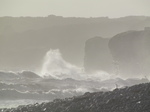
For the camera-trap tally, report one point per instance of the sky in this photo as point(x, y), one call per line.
point(75, 8)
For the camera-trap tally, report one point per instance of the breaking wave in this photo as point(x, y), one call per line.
point(54, 66)
point(57, 67)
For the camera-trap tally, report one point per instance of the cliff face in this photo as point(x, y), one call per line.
point(126, 54)
point(97, 55)
point(131, 52)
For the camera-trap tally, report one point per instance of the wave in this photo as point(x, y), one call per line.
point(7, 75)
point(12, 94)
point(15, 75)
point(49, 89)
point(55, 67)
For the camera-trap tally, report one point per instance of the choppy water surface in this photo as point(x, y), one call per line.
point(16, 103)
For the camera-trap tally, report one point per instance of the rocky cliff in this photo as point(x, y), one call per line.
point(97, 55)
point(126, 54)
point(131, 52)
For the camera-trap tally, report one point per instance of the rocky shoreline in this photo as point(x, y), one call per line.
point(128, 99)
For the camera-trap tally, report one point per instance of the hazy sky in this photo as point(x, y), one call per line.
point(78, 8)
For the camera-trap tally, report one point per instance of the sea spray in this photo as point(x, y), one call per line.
point(54, 66)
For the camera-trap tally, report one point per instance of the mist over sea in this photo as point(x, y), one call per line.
point(57, 78)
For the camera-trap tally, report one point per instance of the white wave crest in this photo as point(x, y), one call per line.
point(54, 66)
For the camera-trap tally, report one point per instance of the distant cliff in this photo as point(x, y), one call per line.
point(97, 55)
point(126, 54)
point(131, 52)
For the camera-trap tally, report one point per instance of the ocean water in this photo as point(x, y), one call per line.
point(16, 103)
